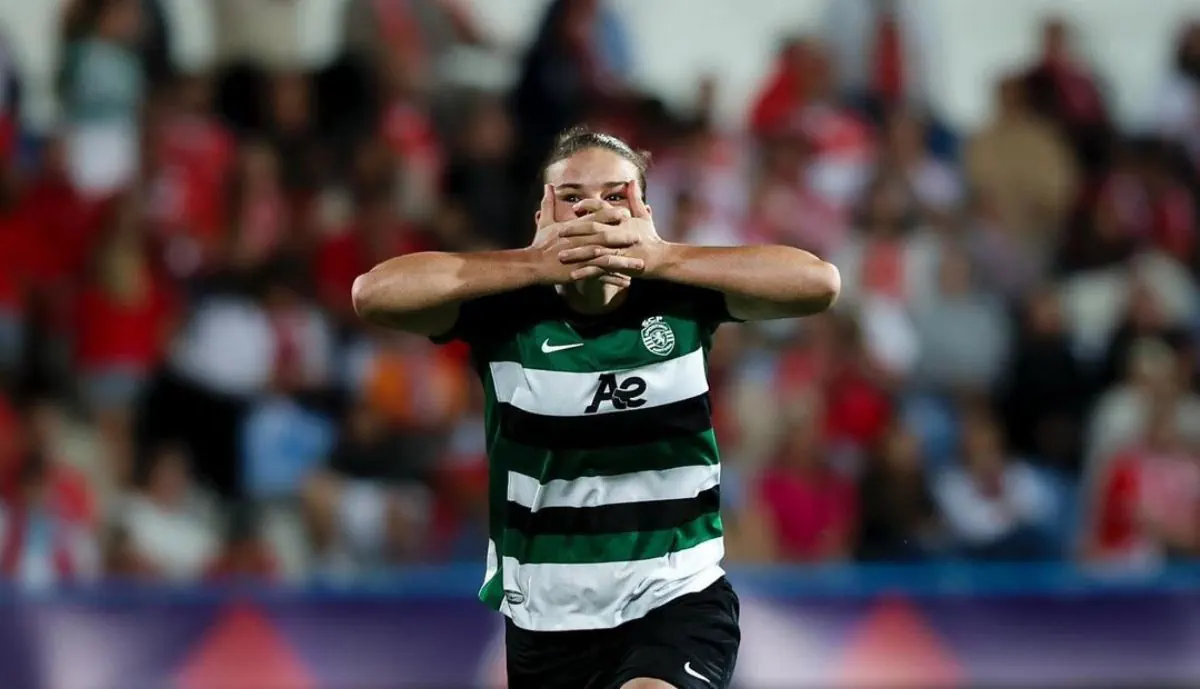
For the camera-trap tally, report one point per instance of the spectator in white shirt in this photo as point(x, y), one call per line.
point(996, 508)
point(166, 522)
point(1176, 114)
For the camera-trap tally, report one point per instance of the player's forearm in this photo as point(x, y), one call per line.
point(420, 291)
point(759, 281)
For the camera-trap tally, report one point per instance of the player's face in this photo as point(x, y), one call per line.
point(589, 181)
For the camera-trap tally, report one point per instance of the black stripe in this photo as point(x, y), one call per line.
point(659, 515)
point(634, 427)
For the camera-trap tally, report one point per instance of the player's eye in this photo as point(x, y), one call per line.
point(615, 198)
point(572, 198)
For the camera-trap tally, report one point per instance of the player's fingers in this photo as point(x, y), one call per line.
point(618, 264)
point(619, 237)
point(612, 216)
point(587, 272)
point(637, 205)
point(585, 224)
point(584, 253)
point(616, 279)
point(581, 234)
point(579, 227)
point(582, 226)
point(546, 211)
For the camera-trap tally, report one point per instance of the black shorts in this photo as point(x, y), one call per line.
point(691, 642)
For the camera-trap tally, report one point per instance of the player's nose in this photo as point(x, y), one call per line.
point(587, 206)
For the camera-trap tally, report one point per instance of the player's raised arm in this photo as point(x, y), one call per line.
point(759, 282)
point(421, 293)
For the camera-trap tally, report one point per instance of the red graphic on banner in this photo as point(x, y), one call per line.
point(894, 647)
point(243, 651)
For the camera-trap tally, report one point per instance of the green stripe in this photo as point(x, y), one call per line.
point(546, 465)
point(626, 547)
point(492, 592)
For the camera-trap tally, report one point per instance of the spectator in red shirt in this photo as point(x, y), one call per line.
point(66, 223)
point(1063, 89)
point(857, 407)
point(122, 318)
point(811, 509)
point(785, 91)
point(376, 235)
point(407, 129)
point(1146, 507)
point(258, 209)
point(191, 155)
point(843, 143)
point(1170, 213)
point(11, 447)
point(16, 253)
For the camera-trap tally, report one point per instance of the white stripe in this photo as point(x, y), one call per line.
point(556, 393)
point(593, 491)
point(565, 597)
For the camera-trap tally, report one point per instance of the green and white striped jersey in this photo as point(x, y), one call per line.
point(604, 472)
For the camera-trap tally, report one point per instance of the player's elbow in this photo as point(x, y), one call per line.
point(364, 295)
point(824, 286)
point(830, 283)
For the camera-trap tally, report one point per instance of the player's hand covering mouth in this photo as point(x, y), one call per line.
point(607, 247)
point(599, 234)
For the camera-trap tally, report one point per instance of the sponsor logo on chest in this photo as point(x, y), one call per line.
point(645, 370)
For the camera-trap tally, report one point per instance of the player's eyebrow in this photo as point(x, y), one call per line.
point(573, 186)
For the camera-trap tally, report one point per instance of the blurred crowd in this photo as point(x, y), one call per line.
point(186, 393)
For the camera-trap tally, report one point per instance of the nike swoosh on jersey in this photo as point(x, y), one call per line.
point(548, 348)
point(687, 667)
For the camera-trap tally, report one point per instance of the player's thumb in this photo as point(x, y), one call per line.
point(545, 216)
point(637, 204)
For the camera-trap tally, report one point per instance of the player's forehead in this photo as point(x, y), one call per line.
point(592, 168)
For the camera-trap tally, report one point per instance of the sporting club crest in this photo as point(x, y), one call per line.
point(658, 336)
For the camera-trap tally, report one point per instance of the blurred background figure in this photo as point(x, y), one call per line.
point(169, 529)
point(1005, 398)
point(102, 84)
point(996, 507)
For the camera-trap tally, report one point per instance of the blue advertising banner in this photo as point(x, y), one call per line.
point(905, 629)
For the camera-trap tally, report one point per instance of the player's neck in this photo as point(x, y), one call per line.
point(593, 296)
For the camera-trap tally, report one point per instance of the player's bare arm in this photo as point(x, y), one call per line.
point(759, 282)
point(421, 293)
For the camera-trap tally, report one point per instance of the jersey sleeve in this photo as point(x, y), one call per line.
point(478, 319)
point(705, 305)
